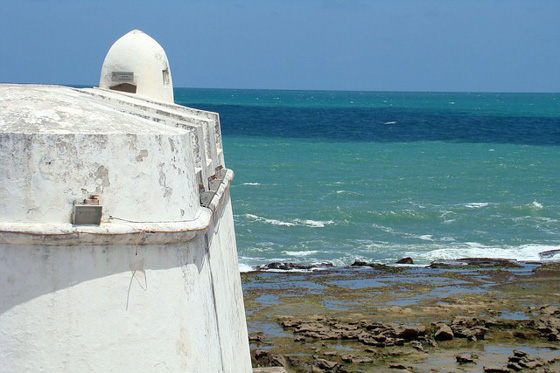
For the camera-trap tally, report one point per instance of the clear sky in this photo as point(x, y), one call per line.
point(372, 45)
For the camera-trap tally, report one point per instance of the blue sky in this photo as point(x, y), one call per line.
point(373, 45)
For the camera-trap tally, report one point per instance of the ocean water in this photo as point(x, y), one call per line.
point(342, 176)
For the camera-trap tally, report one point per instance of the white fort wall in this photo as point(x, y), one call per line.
point(104, 308)
point(155, 286)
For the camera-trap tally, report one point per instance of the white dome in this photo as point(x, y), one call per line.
point(136, 63)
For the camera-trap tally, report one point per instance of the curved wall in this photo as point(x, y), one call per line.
point(138, 177)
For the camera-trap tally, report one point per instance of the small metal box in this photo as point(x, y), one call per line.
point(87, 214)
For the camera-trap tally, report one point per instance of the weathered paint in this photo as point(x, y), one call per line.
point(155, 287)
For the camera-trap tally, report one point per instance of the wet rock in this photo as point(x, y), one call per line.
point(548, 269)
point(407, 260)
point(325, 364)
point(549, 254)
point(468, 327)
point(476, 263)
point(474, 334)
point(255, 337)
point(370, 341)
point(381, 267)
point(465, 321)
point(417, 345)
point(466, 358)
point(292, 266)
point(549, 327)
point(410, 332)
point(444, 333)
point(515, 367)
point(519, 353)
point(521, 334)
point(264, 357)
point(352, 359)
point(549, 310)
point(288, 322)
point(399, 368)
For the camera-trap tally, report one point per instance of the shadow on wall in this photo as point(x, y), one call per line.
point(28, 272)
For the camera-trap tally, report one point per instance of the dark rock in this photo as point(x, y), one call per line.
point(410, 332)
point(263, 357)
point(549, 254)
point(325, 364)
point(255, 337)
point(288, 322)
point(352, 359)
point(444, 333)
point(531, 363)
point(476, 263)
point(399, 368)
point(277, 360)
point(358, 263)
point(521, 334)
point(292, 266)
point(519, 353)
point(515, 367)
point(550, 310)
point(466, 358)
point(473, 334)
point(465, 321)
point(378, 266)
point(549, 269)
point(407, 260)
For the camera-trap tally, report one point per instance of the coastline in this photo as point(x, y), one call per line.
point(376, 318)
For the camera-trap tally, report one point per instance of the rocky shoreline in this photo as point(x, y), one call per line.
point(464, 316)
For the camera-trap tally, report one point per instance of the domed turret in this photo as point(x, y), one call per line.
point(136, 63)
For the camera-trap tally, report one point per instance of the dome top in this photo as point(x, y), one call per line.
point(136, 63)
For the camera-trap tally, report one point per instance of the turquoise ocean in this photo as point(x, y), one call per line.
point(329, 176)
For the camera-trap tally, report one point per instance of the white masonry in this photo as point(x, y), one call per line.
point(117, 244)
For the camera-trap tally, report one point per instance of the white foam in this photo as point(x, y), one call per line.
point(251, 184)
point(314, 223)
point(269, 221)
point(474, 250)
point(245, 268)
point(296, 222)
point(300, 253)
point(426, 237)
point(537, 205)
point(476, 205)
point(348, 192)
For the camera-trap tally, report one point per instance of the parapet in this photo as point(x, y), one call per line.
point(144, 161)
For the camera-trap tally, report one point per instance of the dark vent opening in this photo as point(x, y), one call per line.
point(124, 87)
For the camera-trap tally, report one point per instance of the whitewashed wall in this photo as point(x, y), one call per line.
point(170, 308)
point(160, 294)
